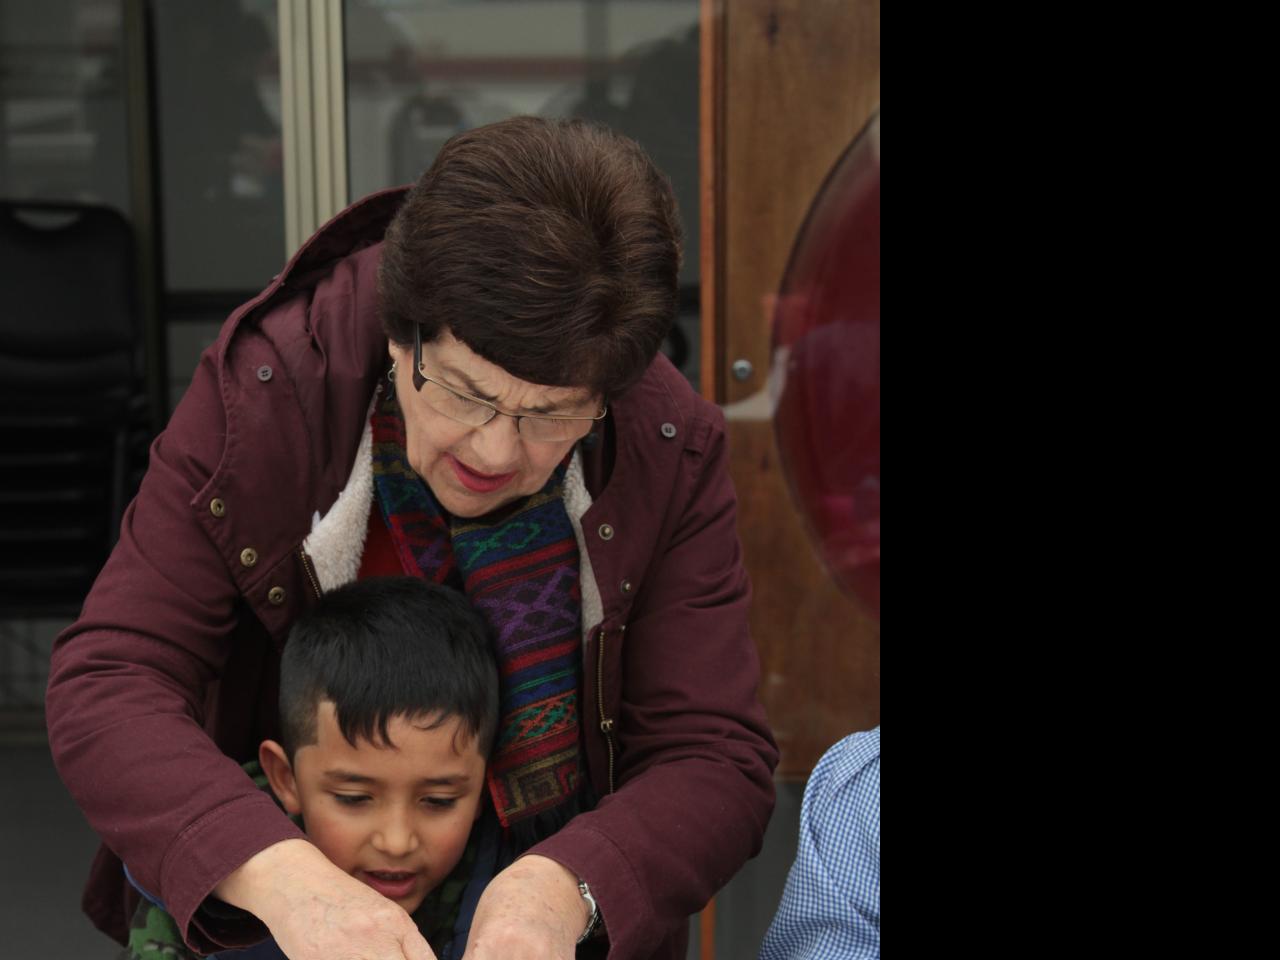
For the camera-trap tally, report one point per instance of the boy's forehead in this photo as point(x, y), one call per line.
point(431, 734)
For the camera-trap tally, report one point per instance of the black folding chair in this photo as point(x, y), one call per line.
point(72, 399)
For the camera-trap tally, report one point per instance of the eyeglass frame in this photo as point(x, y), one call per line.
point(419, 378)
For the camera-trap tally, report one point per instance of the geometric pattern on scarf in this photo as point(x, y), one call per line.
point(519, 567)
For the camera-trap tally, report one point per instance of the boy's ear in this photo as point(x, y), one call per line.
point(275, 764)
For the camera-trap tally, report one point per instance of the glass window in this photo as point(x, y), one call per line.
point(419, 71)
point(62, 92)
point(218, 97)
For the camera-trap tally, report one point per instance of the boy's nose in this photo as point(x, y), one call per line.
point(395, 836)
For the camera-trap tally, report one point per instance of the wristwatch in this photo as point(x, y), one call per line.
point(595, 911)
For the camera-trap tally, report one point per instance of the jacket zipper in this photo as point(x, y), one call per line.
point(606, 724)
point(311, 575)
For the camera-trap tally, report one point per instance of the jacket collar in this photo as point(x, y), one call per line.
point(359, 225)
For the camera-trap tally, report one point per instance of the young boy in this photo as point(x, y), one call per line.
point(388, 705)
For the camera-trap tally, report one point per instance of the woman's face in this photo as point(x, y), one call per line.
point(474, 470)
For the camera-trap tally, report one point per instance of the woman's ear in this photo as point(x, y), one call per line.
point(400, 354)
point(275, 764)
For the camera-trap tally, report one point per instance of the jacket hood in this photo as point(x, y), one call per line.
point(359, 225)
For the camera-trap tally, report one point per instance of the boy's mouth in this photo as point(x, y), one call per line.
point(392, 884)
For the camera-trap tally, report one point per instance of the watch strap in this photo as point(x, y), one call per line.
point(594, 919)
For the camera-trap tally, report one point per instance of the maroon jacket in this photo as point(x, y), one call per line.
point(169, 678)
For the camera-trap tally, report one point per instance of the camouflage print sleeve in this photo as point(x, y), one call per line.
point(154, 936)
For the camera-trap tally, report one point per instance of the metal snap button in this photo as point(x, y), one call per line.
point(606, 532)
point(626, 586)
point(668, 430)
point(276, 596)
point(248, 556)
point(264, 373)
point(217, 507)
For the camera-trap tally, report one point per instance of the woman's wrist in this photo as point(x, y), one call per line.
point(532, 908)
point(560, 886)
point(258, 883)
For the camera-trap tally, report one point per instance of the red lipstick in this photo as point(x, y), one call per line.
point(478, 482)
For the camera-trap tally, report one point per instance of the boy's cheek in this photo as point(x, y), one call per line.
point(329, 836)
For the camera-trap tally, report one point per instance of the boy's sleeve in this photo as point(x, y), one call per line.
point(153, 935)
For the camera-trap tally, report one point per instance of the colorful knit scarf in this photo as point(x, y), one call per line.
point(519, 567)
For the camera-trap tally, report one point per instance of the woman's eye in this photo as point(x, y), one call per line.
point(351, 799)
point(463, 404)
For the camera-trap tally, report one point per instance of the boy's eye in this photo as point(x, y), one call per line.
point(443, 803)
point(351, 799)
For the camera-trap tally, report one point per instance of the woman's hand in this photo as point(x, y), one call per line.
point(317, 912)
point(531, 911)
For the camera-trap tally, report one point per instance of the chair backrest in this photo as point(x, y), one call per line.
point(72, 400)
point(68, 297)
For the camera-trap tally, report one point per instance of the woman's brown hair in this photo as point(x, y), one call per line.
point(549, 247)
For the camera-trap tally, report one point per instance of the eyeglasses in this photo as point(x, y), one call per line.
point(475, 412)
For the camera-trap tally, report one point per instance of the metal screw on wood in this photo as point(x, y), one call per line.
point(742, 369)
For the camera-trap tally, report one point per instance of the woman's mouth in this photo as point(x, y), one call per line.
point(392, 884)
point(478, 482)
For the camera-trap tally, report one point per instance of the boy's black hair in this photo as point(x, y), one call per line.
point(388, 647)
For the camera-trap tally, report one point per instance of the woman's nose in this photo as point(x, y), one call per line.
point(497, 445)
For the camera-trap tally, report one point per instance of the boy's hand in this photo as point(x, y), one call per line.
point(531, 910)
point(317, 912)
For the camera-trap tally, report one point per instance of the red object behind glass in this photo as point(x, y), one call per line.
point(826, 369)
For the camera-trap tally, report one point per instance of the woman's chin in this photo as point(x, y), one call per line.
point(460, 502)
point(458, 498)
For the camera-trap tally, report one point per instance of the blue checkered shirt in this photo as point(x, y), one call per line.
point(830, 909)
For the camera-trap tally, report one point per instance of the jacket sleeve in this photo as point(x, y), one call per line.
point(696, 757)
point(130, 683)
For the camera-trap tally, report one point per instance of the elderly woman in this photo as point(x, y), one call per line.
point(462, 383)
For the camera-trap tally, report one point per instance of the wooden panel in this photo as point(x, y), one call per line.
point(710, 191)
point(820, 654)
point(801, 77)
